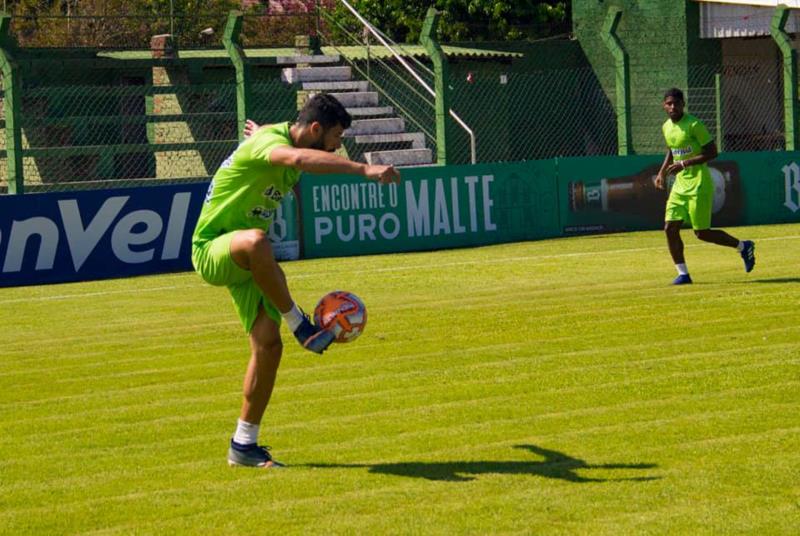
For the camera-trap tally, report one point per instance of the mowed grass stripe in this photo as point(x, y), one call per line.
point(281, 504)
point(426, 334)
point(460, 453)
point(458, 402)
point(570, 351)
point(473, 302)
point(349, 266)
point(177, 491)
point(501, 367)
point(411, 374)
point(596, 430)
point(163, 352)
point(778, 394)
point(141, 465)
point(138, 452)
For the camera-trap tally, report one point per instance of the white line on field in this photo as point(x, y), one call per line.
point(95, 294)
point(527, 258)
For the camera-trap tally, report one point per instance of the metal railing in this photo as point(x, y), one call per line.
point(392, 48)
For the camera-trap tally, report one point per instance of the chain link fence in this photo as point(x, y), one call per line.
point(144, 121)
point(751, 110)
point(134, 131)
point(533, 115)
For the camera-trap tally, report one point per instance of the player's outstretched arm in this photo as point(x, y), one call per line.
point(382, 174)
point(322, 162)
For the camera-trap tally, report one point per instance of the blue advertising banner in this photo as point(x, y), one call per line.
point(75, 236)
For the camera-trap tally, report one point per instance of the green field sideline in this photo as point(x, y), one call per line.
point(558, 386)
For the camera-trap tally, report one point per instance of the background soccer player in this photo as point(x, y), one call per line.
point(689, 147)
point(230, 246)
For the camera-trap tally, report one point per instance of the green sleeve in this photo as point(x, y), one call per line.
point(700, 132)
point(263, 146)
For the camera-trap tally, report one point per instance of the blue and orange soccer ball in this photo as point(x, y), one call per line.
point(343, 313)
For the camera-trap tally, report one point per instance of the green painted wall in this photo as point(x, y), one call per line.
point(661, 38)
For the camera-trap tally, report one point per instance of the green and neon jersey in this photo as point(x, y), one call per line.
point(247, 189)
point(686, 139)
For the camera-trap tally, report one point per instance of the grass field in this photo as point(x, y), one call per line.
point(544, 387)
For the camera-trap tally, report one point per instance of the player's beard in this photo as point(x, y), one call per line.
point(320, 144)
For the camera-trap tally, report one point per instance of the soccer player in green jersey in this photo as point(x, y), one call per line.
point(230, 246)
point(689, 147)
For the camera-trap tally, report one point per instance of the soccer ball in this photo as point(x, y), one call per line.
point(343, 313)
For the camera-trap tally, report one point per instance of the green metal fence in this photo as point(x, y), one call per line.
point(179, 122)
point(103, 118)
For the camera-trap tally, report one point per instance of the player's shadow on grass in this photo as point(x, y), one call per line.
point(555, 465)
point(779, 280)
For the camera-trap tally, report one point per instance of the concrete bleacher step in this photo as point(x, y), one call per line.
point(356, 85)
point(383, 139)
point(406, 157)
point(303, 58)
point(357, 98)
point(363, 127)
point(294, 75)
point(370, 110)
point(417, 139)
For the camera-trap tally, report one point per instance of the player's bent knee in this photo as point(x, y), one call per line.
point(257, 241)
point(268, 352)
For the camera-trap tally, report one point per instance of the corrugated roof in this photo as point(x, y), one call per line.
point(353, 52)
point(360, 52)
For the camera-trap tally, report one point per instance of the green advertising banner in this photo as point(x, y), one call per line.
point(431, 208)
point(770, 187)
point(608, 194)
point(460, 206)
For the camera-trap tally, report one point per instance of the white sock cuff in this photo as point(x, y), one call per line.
point(246, 433)
point(293, 317)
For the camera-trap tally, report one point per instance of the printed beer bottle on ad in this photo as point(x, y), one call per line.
point(638, 195)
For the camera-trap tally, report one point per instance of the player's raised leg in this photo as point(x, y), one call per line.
point(251, 250)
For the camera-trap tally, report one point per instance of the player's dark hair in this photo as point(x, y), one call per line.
point(674, 93)
point(325, 110)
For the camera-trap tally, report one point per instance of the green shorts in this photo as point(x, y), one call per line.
point(212, 260)
point(694, 209)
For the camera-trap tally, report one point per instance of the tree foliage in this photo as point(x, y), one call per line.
point(114, 23)
point(130, 23)
point(468, 20)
